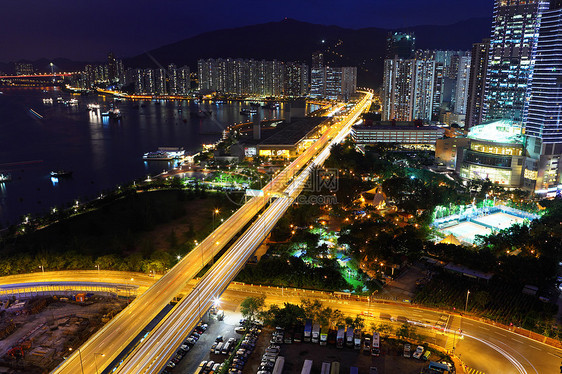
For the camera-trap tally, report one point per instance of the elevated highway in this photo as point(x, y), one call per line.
point(119, 332)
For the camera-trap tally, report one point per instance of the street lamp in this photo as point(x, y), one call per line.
point(466, 304)
point(95, 362)
point(98, 266)
point(215, 212)
point(42, 268)
point(80, 355)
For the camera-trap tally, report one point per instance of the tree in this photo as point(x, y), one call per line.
point(481, 299)
point(311, 309)
point(251, 307)
point(404, 331)
point(359, 322)
point(384, 329)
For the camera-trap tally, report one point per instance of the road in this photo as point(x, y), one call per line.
point(481, 348)
point(118, 333)
point(152, 355)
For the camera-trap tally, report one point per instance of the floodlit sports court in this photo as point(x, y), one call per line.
point(482, 222)
point(466, 231)
point(500, 220)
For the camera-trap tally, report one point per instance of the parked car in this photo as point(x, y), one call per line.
point(407, 352)
point(419, 352)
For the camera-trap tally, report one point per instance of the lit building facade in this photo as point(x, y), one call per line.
point(544, 114)
point(412, 89)
point(296, 79)
point(317, 76)
point(477, 83)
point(461, 92)
point(400, 133)
point(170, 81)
point(398, 90)
point(515, 31)
point(24, 68)
point(244, 77)
point(496, 152)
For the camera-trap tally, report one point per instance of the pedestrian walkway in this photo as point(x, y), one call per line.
point(468, 370)
point(453, 325)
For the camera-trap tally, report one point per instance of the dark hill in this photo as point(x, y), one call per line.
point(291, 40)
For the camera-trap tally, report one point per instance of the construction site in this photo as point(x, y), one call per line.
point(37, 334)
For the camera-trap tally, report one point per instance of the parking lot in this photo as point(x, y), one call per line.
point(391, 360)
point(201, 350)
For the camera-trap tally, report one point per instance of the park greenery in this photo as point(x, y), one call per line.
point(141, 230)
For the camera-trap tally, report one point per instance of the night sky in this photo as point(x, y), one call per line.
point(87, 30)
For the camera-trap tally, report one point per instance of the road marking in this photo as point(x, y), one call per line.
point(517, 340)
point(472, 371)
point(552, 354)
point(502, 334)
point(538, 349)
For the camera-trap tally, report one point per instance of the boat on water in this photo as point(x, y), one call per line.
point(61, 173)
point(72, 102)
point(164, 154)
point(93, 106)
point(5, 177)
point(48, 100)
point(248, 111)
point(112, 113)
point(271, 105)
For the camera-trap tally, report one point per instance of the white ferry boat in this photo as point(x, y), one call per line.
point(164, 154)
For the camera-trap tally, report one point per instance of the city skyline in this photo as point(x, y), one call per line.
point(130, 29)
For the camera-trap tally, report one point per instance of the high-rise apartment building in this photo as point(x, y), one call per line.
point(24, 68)
point(398, 89)
point(317, 75)
point(515, 31)
point(461, 91)
point(477, 83)
point(170, 81)
point(241, 76)
point(296, 79)
point(400, 44)
point(544, 114)
point(412, 88)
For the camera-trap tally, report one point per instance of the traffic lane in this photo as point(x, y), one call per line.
point(535, 356)
point(151, 356)
point(201, 350)
point(488, 359)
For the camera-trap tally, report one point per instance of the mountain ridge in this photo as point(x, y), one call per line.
point(293, 40)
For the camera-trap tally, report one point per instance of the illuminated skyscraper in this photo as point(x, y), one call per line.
point(461, 91)
point(412, 88)
point(317, 76)
point(515, 31)
point(477, 83)
point(544, 114)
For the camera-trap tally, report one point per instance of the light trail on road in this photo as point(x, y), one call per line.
point(152, 355)
point(122, 329)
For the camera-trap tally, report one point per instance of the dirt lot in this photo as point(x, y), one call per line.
point(44, 337)
point(390, 361)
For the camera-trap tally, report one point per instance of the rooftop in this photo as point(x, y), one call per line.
point(394, 125)
point(291, 133)
point(501, 131)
